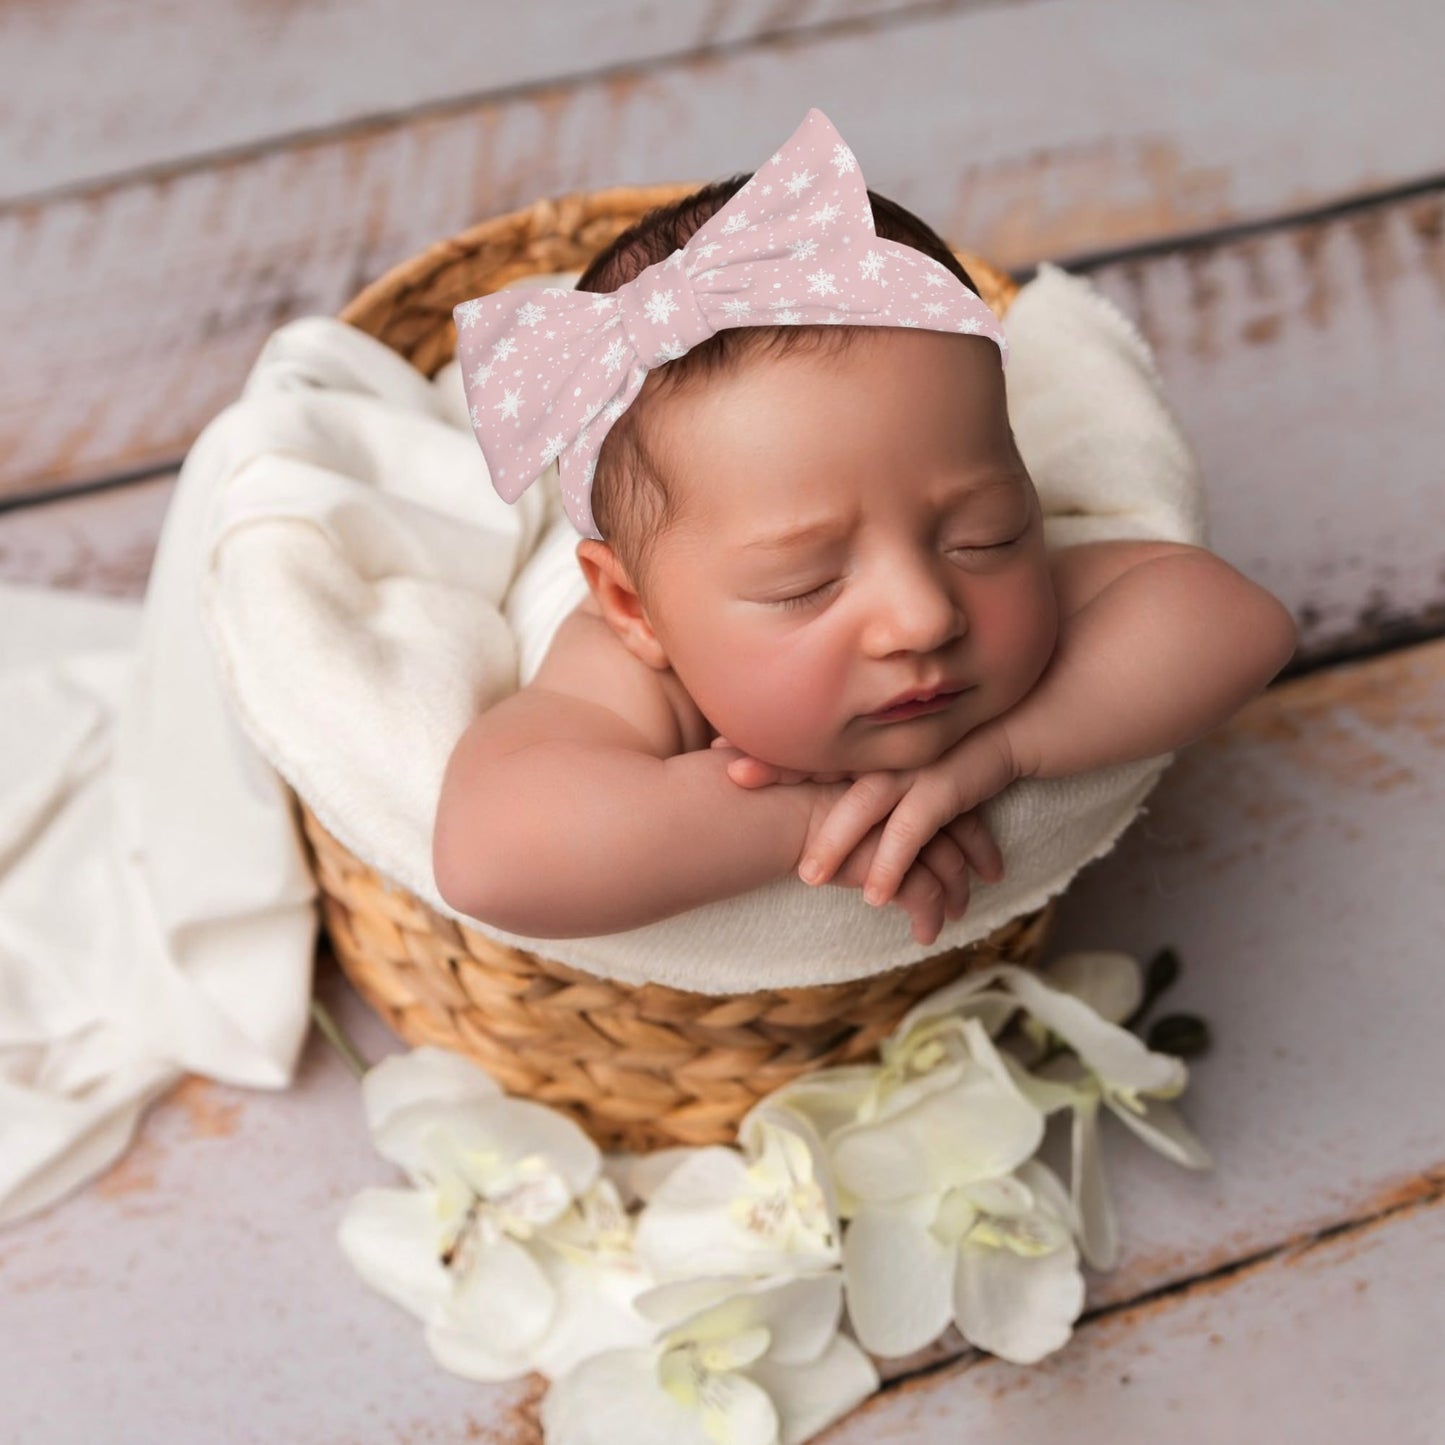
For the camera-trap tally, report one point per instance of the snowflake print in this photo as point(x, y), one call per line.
point(660, 306)
point(553, 449)
point(798, 183)
point(614, 409)
point(767, 191)
point(788, 318)
point(530, 314)
point(476, 416)
point(550, 335)
point(805, 249)
point(907, 321)
point(482, 374)
point(934, 308)
point(843, 160)
point(670, 351)
point(825, 215)
point(603, 301)
point(504, 348)
point(510, 404)
point(468, 312)
point(781, 304)
point(969, 325)
point(735, 222)
point(702, 254)
point(935, 278)
point(820, 283)
point(612, 357)
point(775, 158)
point(733, 310)
point(872, 265)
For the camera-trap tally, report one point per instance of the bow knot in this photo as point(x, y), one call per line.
point(547, 370)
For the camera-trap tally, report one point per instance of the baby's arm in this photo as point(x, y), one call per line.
point(573, 808)
point(1158, 644)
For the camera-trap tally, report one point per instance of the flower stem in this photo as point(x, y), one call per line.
point(335, 1035)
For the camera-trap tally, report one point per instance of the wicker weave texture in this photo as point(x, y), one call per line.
point(638, 1067)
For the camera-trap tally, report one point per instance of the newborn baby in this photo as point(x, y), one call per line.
point(822, 628)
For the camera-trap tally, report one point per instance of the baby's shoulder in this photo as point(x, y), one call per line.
point(587, 659)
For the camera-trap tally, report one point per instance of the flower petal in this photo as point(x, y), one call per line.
point(809, 1398)
point(392, 1239)
point(1018, 1307)
point(974, 1130)
point(424, 1075)
point(1160, 1127)
point(427, 1137)
point(1116, 1055)
point(643, 1173)
point(1111, 983)
point(898, 1278)
point(594, 1313)
point(1098, 1232)
point(974, 994)
point(829, 1098)
point(502, 1307)
point(614, 1397)
point(687, 1229)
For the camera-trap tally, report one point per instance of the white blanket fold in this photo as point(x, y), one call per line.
point(336, 592)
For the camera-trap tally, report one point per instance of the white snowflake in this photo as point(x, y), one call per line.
point(504, 348)
point(805, 249)
point(702, 254)
point(738, 221)
point(670, 351)
point(614, 409)
point(799, 182)
point(872, 265)
point(736, 308)
point(934, 308)
point(788, 318)
point(775, 158)
point(820, 283)
point(530, 314)
point(767, 191)
point(550, 335)
point(781, 304)
point(468, 312)
point(825, 215)
point(476, 416)
point(509, 404)
point(553, 449)
point(907, 321)
point(843, 160)
point(482, 374)
point(936, 278)
point(969, 325)
point(612, 357)
point(833, 318)
point(660, 306)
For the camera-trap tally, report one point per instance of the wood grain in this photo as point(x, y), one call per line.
point(133, 309)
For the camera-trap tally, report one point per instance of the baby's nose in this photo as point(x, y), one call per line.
point(914, 612)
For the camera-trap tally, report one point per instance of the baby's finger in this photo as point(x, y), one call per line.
point(913, 823)
point(920, 895)
point(749, 772)
point(946, 861)
point(866, 803)
point(972, 835)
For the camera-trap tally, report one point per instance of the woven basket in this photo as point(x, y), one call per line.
point(639, 1067)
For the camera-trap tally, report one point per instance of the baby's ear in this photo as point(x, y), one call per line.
point(618, 600)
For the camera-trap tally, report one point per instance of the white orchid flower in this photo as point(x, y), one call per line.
point(1087, 996)
point(467, 1250)
point(738, 1362)
point(996, 1256)
point(768, 1209)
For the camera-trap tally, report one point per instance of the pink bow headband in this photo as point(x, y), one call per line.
point(547, 370)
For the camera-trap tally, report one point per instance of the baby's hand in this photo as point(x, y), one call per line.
point(917, 803)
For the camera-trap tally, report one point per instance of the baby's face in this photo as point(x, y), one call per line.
point(922, 567)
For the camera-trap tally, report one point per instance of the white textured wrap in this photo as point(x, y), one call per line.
point(359, 642)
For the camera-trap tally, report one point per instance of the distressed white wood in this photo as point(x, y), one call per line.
point(121, 85)
point(1293, 860)
point(1332, 1344)
point(131, 313)
point(1303, 362)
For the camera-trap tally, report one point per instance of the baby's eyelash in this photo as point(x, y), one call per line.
point(803, 598)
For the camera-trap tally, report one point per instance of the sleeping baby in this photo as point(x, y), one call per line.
point(822, 627)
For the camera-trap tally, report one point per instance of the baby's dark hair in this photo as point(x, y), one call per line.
point(632, 503)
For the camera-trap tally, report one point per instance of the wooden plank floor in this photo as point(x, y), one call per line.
point(1261, 189)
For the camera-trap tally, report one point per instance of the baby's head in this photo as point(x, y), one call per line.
point(924, 565)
